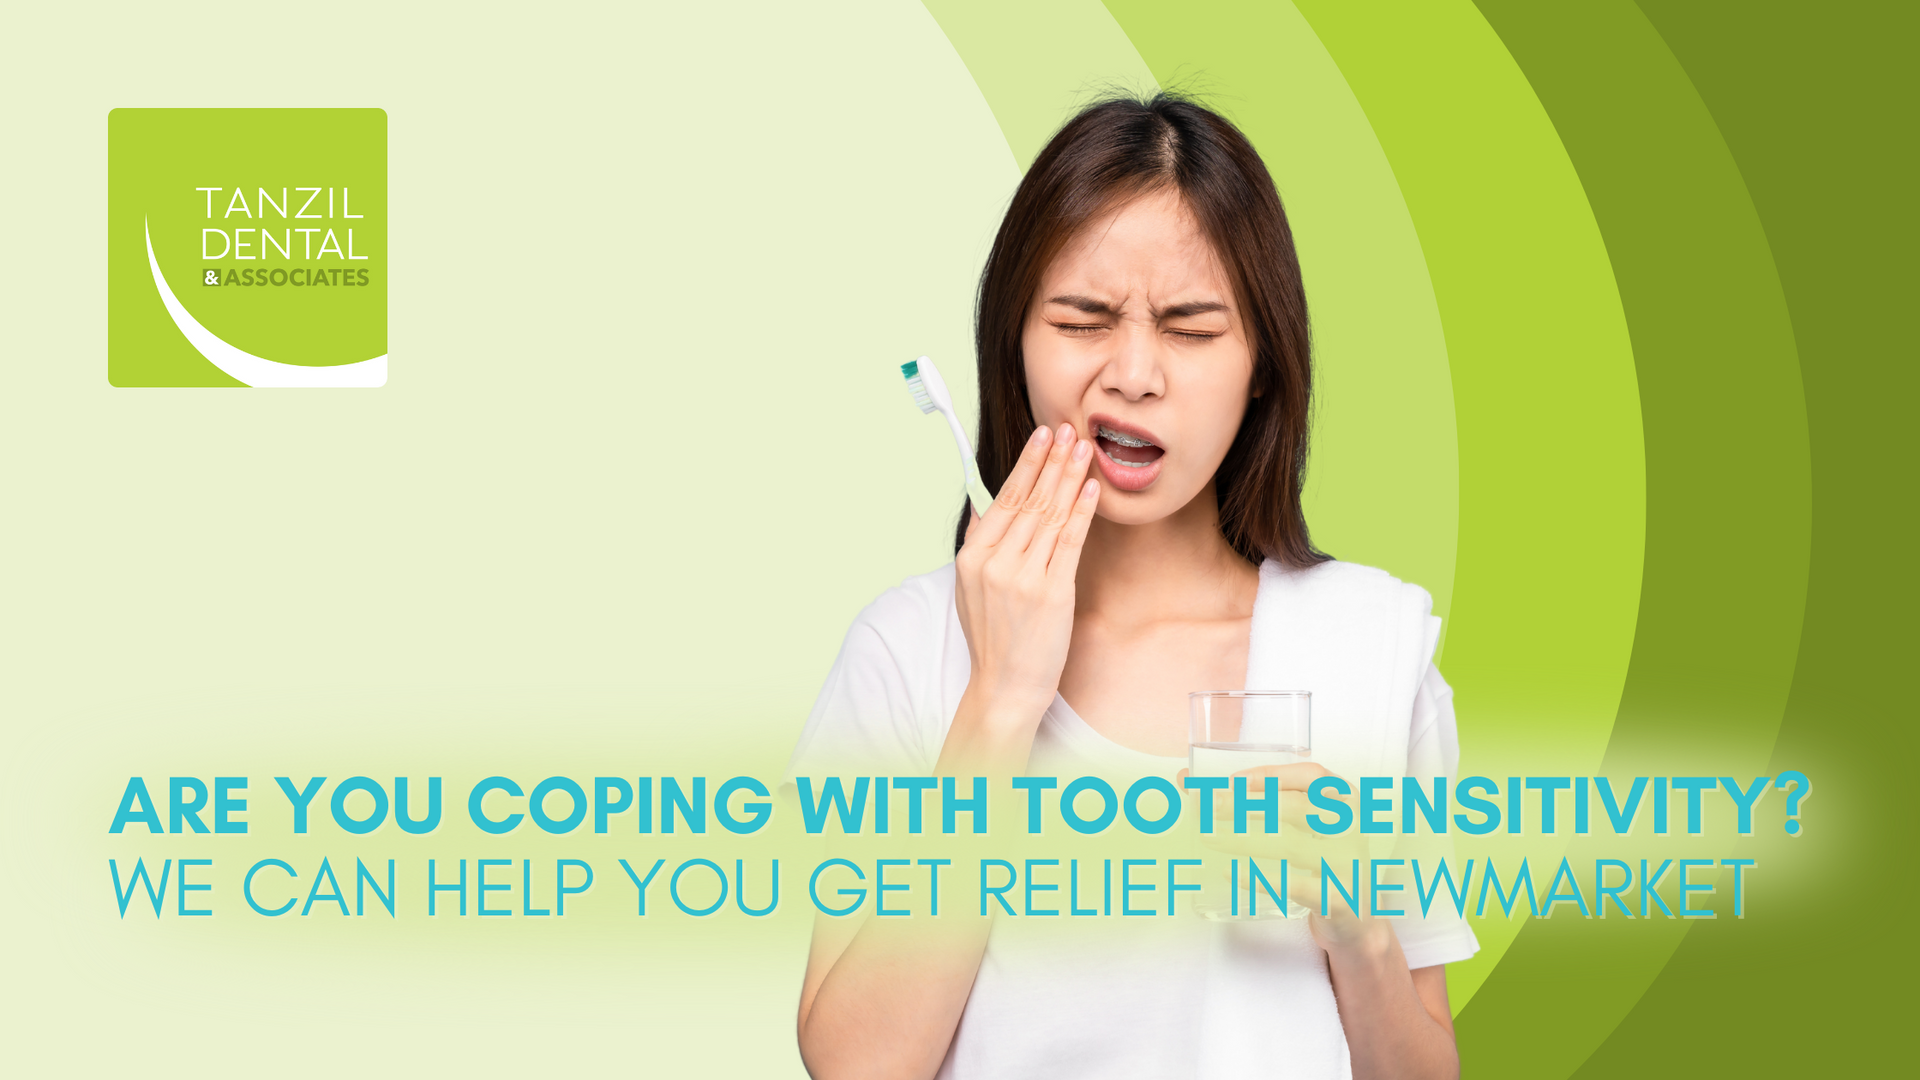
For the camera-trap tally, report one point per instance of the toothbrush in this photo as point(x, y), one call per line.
point(930, 393)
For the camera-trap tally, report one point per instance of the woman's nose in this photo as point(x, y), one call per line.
point(1134, 370)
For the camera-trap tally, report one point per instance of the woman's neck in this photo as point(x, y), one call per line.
point(1179, 567)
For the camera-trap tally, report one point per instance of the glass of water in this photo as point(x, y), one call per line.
point(1230, 731)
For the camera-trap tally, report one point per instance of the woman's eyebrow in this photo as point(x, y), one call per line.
point(1190, 308)
point(1085, 303)
point(1091, 306)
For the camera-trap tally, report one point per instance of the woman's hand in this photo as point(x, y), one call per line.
point(1014, 587)
point(1341, 928)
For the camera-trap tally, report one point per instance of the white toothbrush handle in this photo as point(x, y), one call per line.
point(977, 491)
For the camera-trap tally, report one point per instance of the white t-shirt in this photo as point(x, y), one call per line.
point(1114, 1001)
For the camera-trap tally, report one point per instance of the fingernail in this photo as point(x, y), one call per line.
point(1066, 432)
point(1041, 434)
point(1080, 450)
point(1090, 489)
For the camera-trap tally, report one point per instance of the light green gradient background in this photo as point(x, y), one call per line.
point(644, 452)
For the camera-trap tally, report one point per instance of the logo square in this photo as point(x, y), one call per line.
point(247, 247)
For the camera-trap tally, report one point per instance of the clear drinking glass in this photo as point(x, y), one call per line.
point(1229, 731)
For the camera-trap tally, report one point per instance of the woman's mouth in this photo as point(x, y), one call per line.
point(1128, 457)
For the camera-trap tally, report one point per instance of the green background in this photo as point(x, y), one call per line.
point(1607, 305)
point(157, 158)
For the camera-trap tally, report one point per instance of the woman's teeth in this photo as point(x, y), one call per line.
point(1127, 451)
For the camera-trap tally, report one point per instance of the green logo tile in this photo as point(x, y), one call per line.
point(247, 247)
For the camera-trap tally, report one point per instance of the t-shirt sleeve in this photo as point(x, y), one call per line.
point(1433, 749)
point(868, 719)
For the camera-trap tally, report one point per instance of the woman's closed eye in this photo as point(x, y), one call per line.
point(1079, 329)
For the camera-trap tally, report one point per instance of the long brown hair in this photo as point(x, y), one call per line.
point(1116, 150)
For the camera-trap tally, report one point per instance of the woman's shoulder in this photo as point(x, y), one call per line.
point(918, 608)
point(885, 702)
point(1341, 582)
point(912, 630)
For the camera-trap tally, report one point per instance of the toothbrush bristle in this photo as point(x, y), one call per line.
point(918, 387)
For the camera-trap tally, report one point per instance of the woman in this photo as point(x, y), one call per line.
point(1142, 304)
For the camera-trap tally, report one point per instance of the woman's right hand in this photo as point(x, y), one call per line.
point(1014, 586)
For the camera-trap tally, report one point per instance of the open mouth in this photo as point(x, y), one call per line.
point(1126, 449)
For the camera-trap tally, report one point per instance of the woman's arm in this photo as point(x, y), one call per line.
point(1397, 1021)
point(882, 997)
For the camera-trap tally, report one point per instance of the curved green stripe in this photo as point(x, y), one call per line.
point(1815, 104)
point(1037, 61)
point(1728, 509)
point(1552, 489)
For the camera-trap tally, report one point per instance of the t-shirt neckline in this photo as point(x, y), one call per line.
point(1074, 729)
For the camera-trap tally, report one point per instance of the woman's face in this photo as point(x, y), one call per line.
point(1136, 340)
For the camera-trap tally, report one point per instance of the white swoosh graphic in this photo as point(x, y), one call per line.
point(255, 370)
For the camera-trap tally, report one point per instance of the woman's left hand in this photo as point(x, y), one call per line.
point(1341, 928)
